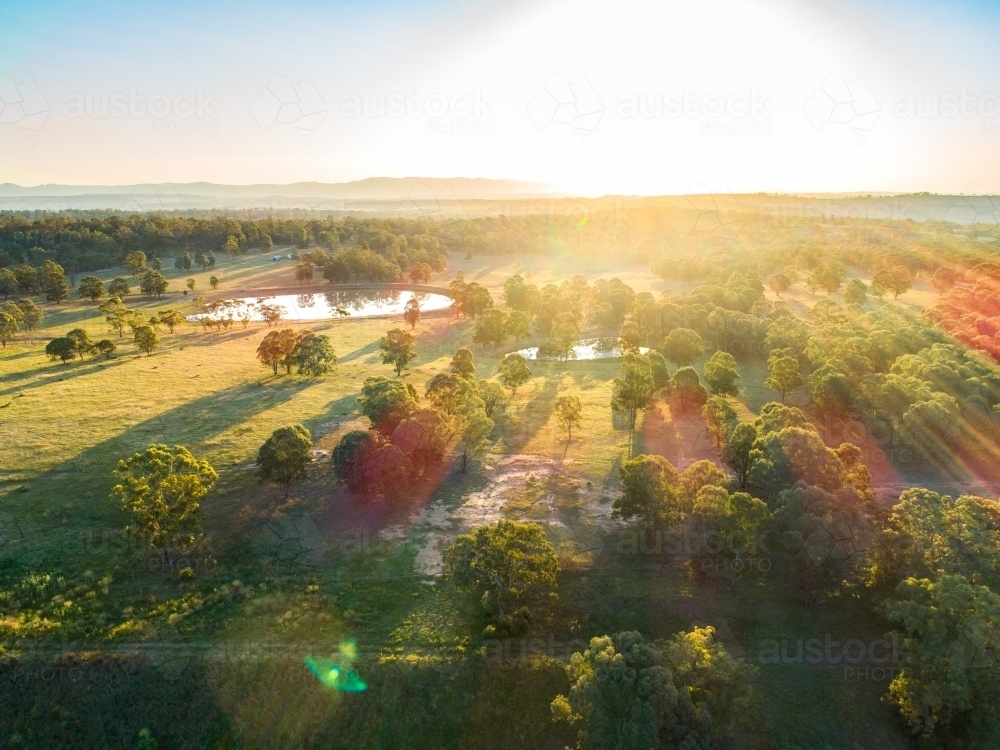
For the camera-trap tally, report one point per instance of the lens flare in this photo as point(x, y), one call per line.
point(337, 672)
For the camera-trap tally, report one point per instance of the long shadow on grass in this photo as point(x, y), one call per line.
point(56, 373)
point(535, 414)
point(358, 353)
point(84, 481)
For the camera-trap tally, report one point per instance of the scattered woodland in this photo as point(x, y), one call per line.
point(772, 522)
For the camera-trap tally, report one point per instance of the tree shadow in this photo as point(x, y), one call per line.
point(358, 353)
point(534, 414)
point(64, 372)
point(81, 484)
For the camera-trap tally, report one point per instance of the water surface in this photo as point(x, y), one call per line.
point(601, 348)
point(360, 303)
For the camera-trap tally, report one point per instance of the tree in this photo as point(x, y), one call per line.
point(856, 292)
point(513, 372)
point(202, 260)
point(33, 314)
point(631, 391)
point(284, 456)
point(475, 300)
point(271, 314)
point(828, 277)
point(505, 567)
point(779, 283)
point(420, 273)
point(387, 472)
point(785, 374)
point(703, 473)
point(105, 348)
point(15, 312)
point(569, 412)
point(687, 390)
point(183, 262)
point(171, 319)
point(659, 370)
point(304, 271)
point(81, 342)
point(831, 390)
point(54, 282)
point(276, 346)
point(463, 364)
point(896, 280)
point(651, 492)
point(336, 270)
point(948, 682)
point(398, 349)
point(719, 685)
point(8, 328)
point(153, 284)
point(411, 313)
point(61, 348)
point(943, 280)
point(8, 282)
point(491, 328)
point(231, 247)
point(119, 288)
point(494, 399)
point(214, 282)
point(348, 456)
point(387, 402)
point(788, 333)
point(731, 526)
point(314, 355)
point(423, 437)
point(146, 338)
point(118, 316)
point(91, 288)
point(682, 346)
point(721, 374)
point(190, 284)
point(518, 324)
point(720, 418)
point(442, 391)
point(161, 490)
point(624, 694)
point(737, 451)
point(474, 426)
point(135, 263)
point(927, 534)
point(25, 276)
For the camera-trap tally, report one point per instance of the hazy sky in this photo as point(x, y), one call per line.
point(637, 96)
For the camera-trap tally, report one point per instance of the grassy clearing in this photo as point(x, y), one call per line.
point(282, 579)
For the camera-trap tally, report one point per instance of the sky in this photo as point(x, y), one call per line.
point(635, 96)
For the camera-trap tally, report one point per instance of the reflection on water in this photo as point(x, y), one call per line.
point(606, 348)
point(360, 303)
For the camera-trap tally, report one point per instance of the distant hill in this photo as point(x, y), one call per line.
point(466, 197)
point(320, 195)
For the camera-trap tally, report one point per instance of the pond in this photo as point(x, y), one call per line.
point(603, 348)
point(351, 303)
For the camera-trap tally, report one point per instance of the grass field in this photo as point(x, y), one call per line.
point(217, 661)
